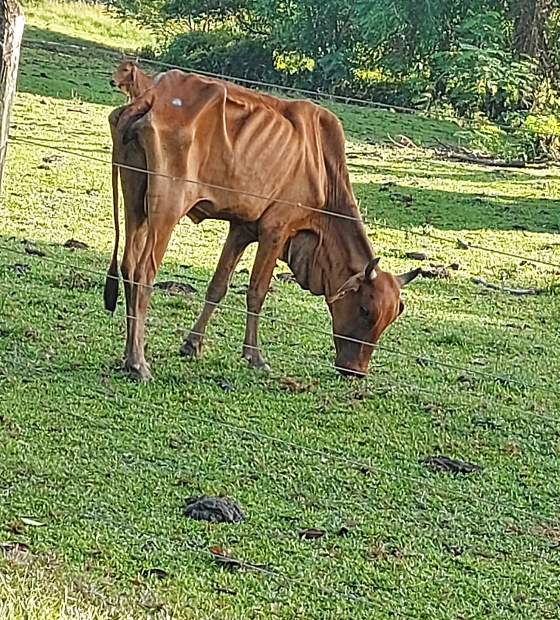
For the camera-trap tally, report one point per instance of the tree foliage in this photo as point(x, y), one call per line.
point(497, 58)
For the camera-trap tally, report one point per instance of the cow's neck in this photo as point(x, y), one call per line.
point(345, 251)
point(324, 259)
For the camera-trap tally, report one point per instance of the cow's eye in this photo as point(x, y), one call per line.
point(364, 312)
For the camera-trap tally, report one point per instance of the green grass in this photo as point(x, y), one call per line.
point(106, 464)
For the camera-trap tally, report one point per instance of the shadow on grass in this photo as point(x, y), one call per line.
point(77, 68)
point(65, 67)
point(400, 206)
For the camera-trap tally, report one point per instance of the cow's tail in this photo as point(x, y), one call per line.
point(122, 129)
point(111, 292)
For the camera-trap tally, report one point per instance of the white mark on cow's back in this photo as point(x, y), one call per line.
point(177, 102)
point(158, 77)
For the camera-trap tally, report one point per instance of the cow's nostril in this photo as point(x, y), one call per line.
point(112, 82)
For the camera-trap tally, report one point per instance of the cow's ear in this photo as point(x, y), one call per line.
point(351, 285)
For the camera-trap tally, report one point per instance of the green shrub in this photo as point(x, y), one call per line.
point(219, 51)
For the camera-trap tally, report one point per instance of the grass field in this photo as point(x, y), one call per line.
point(105, 464)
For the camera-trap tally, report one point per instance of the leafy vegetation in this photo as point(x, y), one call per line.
point(485, 59)
point(106, 464)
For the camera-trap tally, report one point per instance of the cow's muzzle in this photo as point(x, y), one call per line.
point(349, 372)
point(112, 83)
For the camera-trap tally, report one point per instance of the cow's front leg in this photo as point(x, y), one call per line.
point(265, 261)
point(238, 239)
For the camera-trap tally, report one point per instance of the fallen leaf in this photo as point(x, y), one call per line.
point(175, 288)
point(221, 552)
point(34, 252)
point(444, 463)
point(73, 244)
point(223, 557)
point(417, 255)
point(293, 385)
point(17, 547)
point(31, 522)
point(53, 159)
point(434, 271)
point(347, 527)
point(286, 277)
point(311, 533)
point(156, 572)
point(20, 269)
point(456, 551)
point(226, 591)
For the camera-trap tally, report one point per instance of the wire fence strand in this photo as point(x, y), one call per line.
point(435, 362)
point(426, 114)
point(327, 454)
point(423, 233)
point(313, 329)
point(257, 434)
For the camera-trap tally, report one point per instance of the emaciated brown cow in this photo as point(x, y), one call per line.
point(236, 146)
point(131, 79)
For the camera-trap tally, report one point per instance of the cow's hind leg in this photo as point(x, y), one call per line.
point(159, 230)
point(238, 239)
point(134, 184)
point(270, 247)
point(135, 242)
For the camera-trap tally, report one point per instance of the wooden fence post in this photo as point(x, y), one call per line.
point(11, 29)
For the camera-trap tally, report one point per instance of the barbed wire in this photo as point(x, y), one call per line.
point(367, 379)
point(423, 233)
point(496, 378)
point(323, 453)
point(462, 123)
point(327, 590)
point(475, 371)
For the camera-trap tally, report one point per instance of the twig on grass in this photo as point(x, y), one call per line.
point(511, 291)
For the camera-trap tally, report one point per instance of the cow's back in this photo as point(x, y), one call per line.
point(221, 134)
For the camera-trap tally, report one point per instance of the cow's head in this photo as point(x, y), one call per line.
point(125, 77)
point(363, 307)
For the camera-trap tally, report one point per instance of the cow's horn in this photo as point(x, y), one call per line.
point(370, 269)
point(405, 278)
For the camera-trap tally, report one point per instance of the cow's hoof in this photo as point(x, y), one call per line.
point(138, 372)
point(191, 347)
point(257, 361)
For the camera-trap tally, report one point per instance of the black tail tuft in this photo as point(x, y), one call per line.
point(111, 292)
